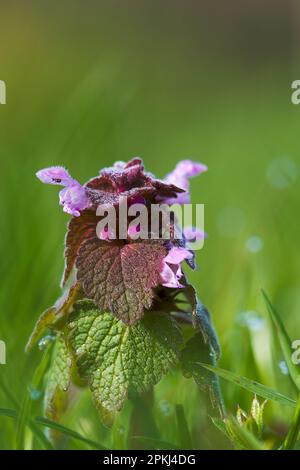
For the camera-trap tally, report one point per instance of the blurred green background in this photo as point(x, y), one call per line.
point(92, 82)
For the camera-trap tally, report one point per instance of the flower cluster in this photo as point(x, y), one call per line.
point(124, 277)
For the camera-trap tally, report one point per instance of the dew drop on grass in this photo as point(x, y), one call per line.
point(45, 341)
point(34, 393)
point(283, 367)
point(165, 408)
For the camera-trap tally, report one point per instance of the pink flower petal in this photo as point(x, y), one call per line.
point(180, 177)
point(74, 199)
point(171, 271)
point(193, 234)
point(177, 254)
point(169, 277)
point(188, 168)
point(55, 175)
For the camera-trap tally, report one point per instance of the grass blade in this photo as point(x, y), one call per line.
point(251, 385)
point(40, 436)
point(284, 341)
point(291, 438)
point(67, 432)
point(242, 438)
point(184, 435)
point(10, 413)
point(22, 422)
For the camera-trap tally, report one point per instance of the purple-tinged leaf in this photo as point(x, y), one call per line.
point(120, 277)
point(79, 228)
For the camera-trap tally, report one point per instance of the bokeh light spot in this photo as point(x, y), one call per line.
point(254, 244)
point(282, 173)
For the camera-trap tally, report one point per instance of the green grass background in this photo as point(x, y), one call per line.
point(89, 83)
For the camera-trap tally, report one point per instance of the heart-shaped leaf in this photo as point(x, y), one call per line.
point(118, 359)
point(120, 277)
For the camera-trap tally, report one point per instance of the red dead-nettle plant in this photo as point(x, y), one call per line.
point(118, 325)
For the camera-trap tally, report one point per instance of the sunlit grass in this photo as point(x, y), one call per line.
point(100, 112)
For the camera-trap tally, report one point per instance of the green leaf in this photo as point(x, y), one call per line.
point(290, 441)
point(46, 319)
point(252, 421)
point(250, 385)
point(58, 380)
point(202, 320)
point(285, 342)
point(241, 415)
point(185, 438)
point(195, 352)
point(237, 433)
point(202, 347)
point(257, 412)
point(118, 359)
point(240, 436)
point(54, 314)
point(8, 412)
point(120, 277)
point(255, 409)
point(221, 426)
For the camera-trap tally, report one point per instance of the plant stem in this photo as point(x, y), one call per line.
point(291, 438)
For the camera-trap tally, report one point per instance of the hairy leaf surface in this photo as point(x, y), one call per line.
point(119, 277)
point(78, 229)
point(118, 359)
point(58, 380)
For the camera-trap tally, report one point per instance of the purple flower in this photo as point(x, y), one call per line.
point(126, 249)
point(180, 178)
point(171, 271)
point(128, 180)
point(55, 175)
point(73, 197)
